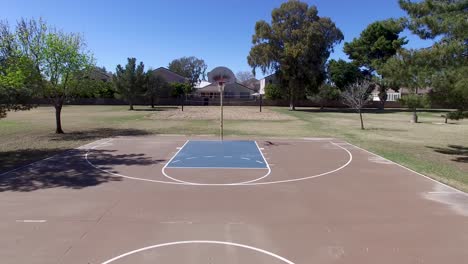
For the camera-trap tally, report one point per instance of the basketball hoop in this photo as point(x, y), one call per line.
point(222, 76)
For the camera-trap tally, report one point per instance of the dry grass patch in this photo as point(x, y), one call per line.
point(213, 113)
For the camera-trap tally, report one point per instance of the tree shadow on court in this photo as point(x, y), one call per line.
point(70, 170)
point(456, 150)
point(98, 133)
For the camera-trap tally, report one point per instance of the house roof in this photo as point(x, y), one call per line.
point(202, 84)
point(169, 76)
point(269, 76)
point(252, 83)
point(228, 88)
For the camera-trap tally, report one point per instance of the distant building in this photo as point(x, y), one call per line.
point(169, 76)
point(100, 74)
point(393, 96)
point(253, 84)
point(202, 84)
point(232, 90)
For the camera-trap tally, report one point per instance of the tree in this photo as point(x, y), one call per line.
point(411, 69)
point(18, 76)
point(155, 84)
point(244, 76)
point(129, 81)
point(59, 58)
point(273, 92)
point(342, 73)
point(327, 93)
point(357, 95)
point(376, 44)
point(413, 102)
point(179, 90)
point(296, 46)
point(446, 23)
point(433, 18)
point(65, 62)
point(192, 68)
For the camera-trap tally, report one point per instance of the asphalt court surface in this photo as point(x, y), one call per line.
point(316, 201)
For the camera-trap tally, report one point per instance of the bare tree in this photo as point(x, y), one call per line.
point(244, 76)
point(357, 95)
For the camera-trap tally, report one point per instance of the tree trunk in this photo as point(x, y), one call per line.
point(152, 101)
point(131, 105)
point(182, 102)
point(382, 105)
point(415, 116)
point(383, 96)
point(58, 120)
point(362, 121)
point(292, 107)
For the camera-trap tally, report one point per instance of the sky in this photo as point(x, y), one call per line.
point(158, 31)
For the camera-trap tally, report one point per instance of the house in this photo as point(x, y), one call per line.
point(99, 74)
point(169, 76)
point(201, 84)
point(393, 96)
point(270, 79)
point(252, 83)
point(232, 90)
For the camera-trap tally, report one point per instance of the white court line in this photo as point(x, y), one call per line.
point(313, 176)
point(163, 171)
point(31, 221)
point(413, 171)
point(250, 184)
point(268, 253)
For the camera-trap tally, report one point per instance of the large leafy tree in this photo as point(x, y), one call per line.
point(130, 81)
point(194, 69)
point(64, 66)
point(19, 78)
point(342, 73)
point(375, 45)
point(57, 60)
point(446, 22)
point(295, 45)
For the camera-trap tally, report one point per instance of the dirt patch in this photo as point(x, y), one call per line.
point(213, 112)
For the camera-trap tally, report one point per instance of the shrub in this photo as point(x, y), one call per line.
point(273, 92)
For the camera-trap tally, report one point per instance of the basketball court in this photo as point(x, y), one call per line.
point(174, 199)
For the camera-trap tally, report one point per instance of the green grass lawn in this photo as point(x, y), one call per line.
point(430, 147)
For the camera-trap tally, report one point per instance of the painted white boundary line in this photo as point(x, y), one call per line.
point(248, 184)
point(268, 253)
point(121, 175)
point(163, 171)
point(48, 158)
point(313, 176)
point(31, 221)
point(420, 174)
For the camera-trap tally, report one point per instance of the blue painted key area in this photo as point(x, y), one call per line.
point(219, 154)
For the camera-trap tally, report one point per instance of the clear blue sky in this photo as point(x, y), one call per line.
point(158, 31)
